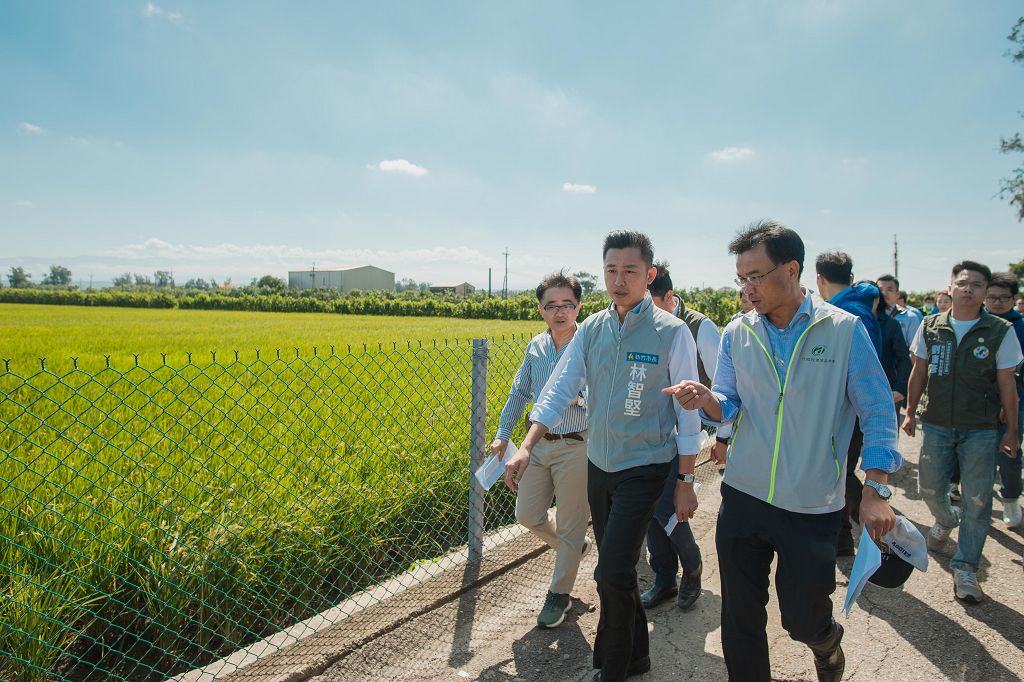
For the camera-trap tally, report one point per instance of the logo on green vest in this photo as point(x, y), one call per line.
point(646, 358)
point(818, 354)
point(981, 352)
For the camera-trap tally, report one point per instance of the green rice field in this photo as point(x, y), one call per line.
point(165, 511)
point(58, 333)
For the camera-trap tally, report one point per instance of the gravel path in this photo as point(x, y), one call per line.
point(917, 633)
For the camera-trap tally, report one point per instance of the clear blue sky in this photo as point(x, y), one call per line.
point(233, 139)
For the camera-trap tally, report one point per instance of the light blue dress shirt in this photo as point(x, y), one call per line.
point(867, 389)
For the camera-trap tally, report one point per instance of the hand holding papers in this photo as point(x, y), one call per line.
point(492, 469)
point(673, 520)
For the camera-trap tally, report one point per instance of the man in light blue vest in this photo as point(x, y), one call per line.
point(625, 355)
point(793, 375)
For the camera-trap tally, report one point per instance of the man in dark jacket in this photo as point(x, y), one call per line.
point(999, 301)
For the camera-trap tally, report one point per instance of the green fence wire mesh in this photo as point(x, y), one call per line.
point(161, 515)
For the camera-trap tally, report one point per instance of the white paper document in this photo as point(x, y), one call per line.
point(493, 468)
point(869, 558)
point(673, 521)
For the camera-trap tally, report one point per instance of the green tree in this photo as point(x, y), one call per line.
point(142, 280)
point(123, 280)
point(1012, 186)
point(587, 281)
point(271, 284)
point(198, 283)
point(58, 275)
point(163, 278)
point(1018, 269)
point(18, 278)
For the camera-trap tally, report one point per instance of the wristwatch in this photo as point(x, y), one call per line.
point(723, 441)
point(685, 478)
point(884, 491)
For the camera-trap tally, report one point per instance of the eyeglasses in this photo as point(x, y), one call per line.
point(565, 308)
point(964, 284)
point(754, 280)
point(997, 299)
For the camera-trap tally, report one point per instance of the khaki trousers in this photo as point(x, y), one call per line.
point(557, 471)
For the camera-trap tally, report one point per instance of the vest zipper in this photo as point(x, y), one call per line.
point(782, 395)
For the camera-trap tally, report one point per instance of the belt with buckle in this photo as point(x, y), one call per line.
point(564, 436)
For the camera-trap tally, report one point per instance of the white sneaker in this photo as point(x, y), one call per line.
point(965, 586)
point(1012, 514)
point(938, 539)
point(587, 544)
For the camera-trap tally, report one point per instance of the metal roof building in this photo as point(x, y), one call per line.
point(344, 279)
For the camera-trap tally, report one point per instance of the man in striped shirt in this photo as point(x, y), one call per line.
point(559, 466)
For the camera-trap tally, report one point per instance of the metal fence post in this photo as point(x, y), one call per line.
point(478, 444)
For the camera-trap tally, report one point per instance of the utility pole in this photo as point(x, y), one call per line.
point(488, 282)
point(504, 288)
point(895, 257)
point(312, 277)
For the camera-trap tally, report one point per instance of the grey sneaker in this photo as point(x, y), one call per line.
point(938, 539)
point(965, 586)
point(555, 608)
point(587, 544)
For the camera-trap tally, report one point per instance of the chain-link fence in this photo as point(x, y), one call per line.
point(161, 515)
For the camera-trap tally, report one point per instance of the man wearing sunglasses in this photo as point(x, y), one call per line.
point(793, 375)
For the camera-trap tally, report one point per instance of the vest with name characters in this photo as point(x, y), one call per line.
point(693, 321)
point(629, 420)
point(791, 435)
point(962, 391)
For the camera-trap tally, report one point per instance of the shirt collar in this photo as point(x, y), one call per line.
point(805, 311)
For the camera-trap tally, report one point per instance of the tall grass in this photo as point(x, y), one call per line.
point(162, 514)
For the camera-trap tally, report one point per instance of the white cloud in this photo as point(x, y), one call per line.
point(825, 211)
point(859, 162)
point(401, 166)
point(153, 10)
point(731, 154)
point(576, 188)
point(30, 128)
point(24, 204)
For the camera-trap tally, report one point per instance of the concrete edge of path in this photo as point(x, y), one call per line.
point(311, 646)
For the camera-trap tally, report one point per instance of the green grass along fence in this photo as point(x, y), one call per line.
point(161, 512)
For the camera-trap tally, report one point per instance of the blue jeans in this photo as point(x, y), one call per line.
point(975, 451)
point(1010, 467)
point(668, 552)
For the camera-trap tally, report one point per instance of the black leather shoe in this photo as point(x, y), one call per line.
point(656, 595)
point(829, 660)
point(637, 667)
point(689, 588)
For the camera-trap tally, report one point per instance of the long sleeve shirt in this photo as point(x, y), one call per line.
point(866, 387)
point(538, 364)
point(570, 376)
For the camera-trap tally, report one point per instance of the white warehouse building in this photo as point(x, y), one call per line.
point(344, 279)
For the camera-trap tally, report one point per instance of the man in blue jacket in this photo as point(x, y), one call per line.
point(625, 355)
point(793, 376)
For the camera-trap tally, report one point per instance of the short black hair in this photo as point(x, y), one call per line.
point(781, 243)
point(835, 266)
point(1006, 280)
point(662, 283)
point(889, 278)
point(558, 280)
point(630, 239)
point(902, 294)
point(973, 266)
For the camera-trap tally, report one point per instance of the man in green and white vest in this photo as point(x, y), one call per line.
point(793, 375)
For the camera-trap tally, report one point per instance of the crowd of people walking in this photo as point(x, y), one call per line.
point(798, 389)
